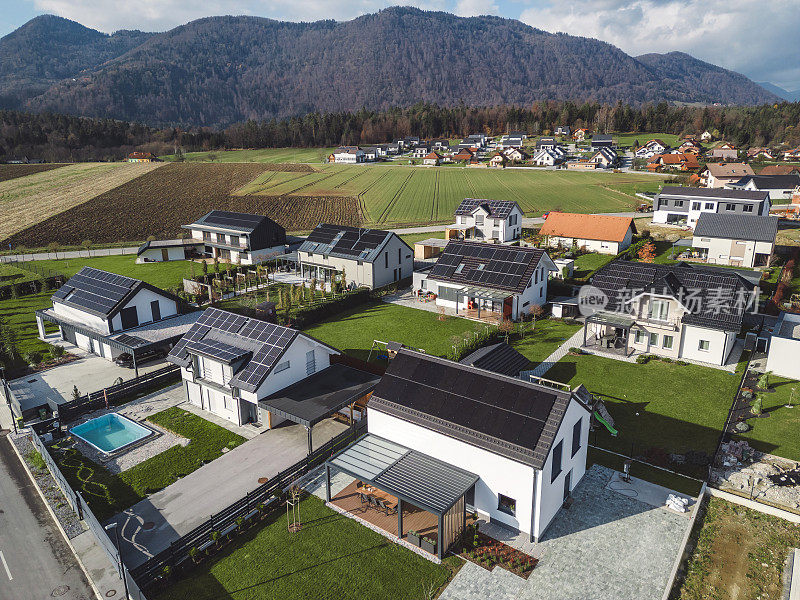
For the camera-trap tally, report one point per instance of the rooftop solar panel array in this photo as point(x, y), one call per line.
point(95, 290)
point(348, 242)
point(714, 298)
point(229, 337)
point(231, 220)
point(510, 416)
point(498, 209)
point(487, 265)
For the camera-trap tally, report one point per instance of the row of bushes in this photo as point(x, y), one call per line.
point(300, 317)
point(646, 358)
point(27, 288)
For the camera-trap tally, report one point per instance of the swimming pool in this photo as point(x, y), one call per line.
point(110, 432)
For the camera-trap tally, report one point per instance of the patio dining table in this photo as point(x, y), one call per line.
point(373, 491)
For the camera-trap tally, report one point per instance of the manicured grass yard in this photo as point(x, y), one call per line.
point(547, 336)
point(331, 557)
point(779, 433)
point(587, 264)
point(740, 553)
point(662, 405)
point(413, 238)
point(19, 314)
point(107, 493)
point(354, 330)
point(161, 274)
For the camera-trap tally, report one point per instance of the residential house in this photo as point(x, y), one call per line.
point(486, 281)
point(371, 154)
point(368, 257)
point(605, 234)
point(422, 149)
point(736, 240)
point(497, 220)
point(432, 159)
point(464, 155)
point(509, 142)
point(108, 314)
point(168, 250)
point(514, 466)
point(515, 154)
point(579, 135)
point(519, 134)
point(605, 157)
point(706, 137)
point(761, 154)
point(583, 164)
point(498, 160)
point(651, 148)
point(546, 143)
point(679, 311)
point(498, 358)
point(548, 158)
point(724, 152)
point(680, 162)
point(563, 130)
point(137, 157)
point(779, 187)
point(240, 238)
point(441, 143)
point(347, 155)
point(784, 347)
point(245, 370)
point(717, 175)
point(690, 147)
point(602, 140)
point(683, 205)
point(780, 170)
point(394, 148)
point(792, 155)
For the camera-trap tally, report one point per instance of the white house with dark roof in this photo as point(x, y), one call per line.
point(238, 237)
point(368, 257)
point(491, 220)
point(735, 240)
point(680, 311)
point(779, 187)
point(348, 155)
point(511, 450)
point(487, 281)
point(683, 205)
point(240, 369)
point(651, 148)
point(108, 314)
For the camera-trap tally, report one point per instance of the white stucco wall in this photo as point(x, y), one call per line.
point(600, 246)
point(87, 319)
point(720, 344)
point(155, 254)
point(142, 302)
point(783, 358)
point(498, 475)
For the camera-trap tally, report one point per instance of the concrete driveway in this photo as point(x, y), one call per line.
point(187, 503)
point(89, 373)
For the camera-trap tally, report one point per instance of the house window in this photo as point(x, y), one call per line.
point(536, 277)
point(423, 284)
point(703, 345)
point(478, 219)
point(448, 293)
point(541, 292)
point(696, 205)
point(576, 436)
point(207, 236)
point(506, 505)
point(659, 309)
point(654, 339)
point(220, 238)
point(709, 206)
point(234, 240)
point(460, 268)
point(311, 363)
point(679, 203)
point(639, 339)
point(281, 366)
point(555, 467)
point(666, 342)
point(386, 259)
point(747, 208)
point(730, 206)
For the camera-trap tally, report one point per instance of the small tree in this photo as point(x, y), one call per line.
point(763, 381)
point(506, 327)
point(76, 395)
point(535, 311)
point(205, 267)
point(216, 265)
point(54, 247)
point(87, 245)
point(212, 156)
point(647, 253)
point(792, 398)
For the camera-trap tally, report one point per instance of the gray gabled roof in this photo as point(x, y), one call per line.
point(503, 415)
point(714, 193)
point(737, 227)
point(347, 242)
point(770, 182)
point(498, 358)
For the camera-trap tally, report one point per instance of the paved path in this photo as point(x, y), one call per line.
point(189, 502)
point(35, 560)
point(573, 342)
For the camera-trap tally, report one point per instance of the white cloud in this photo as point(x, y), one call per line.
point(160, 15)
point(749, 36)
point(475, 8)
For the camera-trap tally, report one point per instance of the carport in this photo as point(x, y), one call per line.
point(320, 395)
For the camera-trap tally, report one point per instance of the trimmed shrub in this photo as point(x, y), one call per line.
point(643, 359)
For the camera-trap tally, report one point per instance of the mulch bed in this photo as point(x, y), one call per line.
point(488, 553)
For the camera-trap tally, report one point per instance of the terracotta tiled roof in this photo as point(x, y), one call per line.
point(589, 227)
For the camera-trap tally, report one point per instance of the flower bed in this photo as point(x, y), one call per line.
point(488, 553)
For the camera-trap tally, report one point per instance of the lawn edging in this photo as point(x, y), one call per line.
point(767, 509)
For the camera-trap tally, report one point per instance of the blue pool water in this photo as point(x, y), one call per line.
point(110, 432)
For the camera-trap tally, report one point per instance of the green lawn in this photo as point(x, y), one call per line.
point(19, 314)
point(107, 493)
point(10, 274)
point(662, 405)
point(161, 274)
point(548, 335)
point(332, 556)
point(587, 264)
point(779, 433)
point(627, 139)
point(263, 155)
point(354, 330)
point(405, 195)
point(412, 238)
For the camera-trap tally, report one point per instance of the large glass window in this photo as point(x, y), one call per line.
point(667, 342)
point(659, 309)
point(506, 505)
point(576, 437)
point(703, 345)
point(654, 339)
point(555, 468)
point(448, 293)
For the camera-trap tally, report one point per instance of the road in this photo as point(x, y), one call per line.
point(35, 560)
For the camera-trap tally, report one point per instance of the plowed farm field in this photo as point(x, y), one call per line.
point(8, 172)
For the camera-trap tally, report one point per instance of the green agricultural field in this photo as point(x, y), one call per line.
point(627, 139)
point(264, 155)
point(406, 195)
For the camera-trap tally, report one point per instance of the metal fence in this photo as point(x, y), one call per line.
point(267, 497)
point(58, 476)
point(113, 394)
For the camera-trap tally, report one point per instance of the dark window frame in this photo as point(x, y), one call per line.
point(507, 505)
point(577, 431)
point(558, 450)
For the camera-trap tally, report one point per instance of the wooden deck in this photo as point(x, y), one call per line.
point(485, 315)
point(416, 519)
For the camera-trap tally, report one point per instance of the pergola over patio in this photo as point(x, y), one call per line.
point(610, 319)
point(413, 478)
point(317, 397)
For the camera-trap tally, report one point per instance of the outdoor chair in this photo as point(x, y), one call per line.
point(388, 507)
point(373, 502)
point(364, 501)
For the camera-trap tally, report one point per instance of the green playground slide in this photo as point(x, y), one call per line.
point(611, 430)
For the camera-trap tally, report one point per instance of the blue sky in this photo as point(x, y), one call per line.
point(753, 37)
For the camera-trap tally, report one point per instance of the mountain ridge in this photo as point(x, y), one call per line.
point(220, 70)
